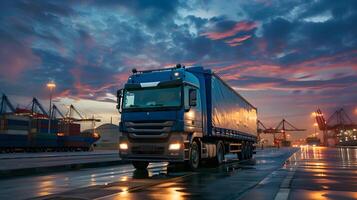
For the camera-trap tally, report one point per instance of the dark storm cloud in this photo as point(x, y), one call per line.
point(151, 12)
point(88, 47)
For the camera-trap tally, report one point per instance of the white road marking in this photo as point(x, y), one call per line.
point(284, 191)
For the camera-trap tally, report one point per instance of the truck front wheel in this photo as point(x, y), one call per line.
point(140, 165)
point(194, 156)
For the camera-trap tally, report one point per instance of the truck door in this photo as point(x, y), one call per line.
point(193, 114)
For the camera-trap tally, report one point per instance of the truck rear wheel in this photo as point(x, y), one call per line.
point(140, 165)
point(249, 151)
point(194, 156)
point(242, 155)
point(220, 153)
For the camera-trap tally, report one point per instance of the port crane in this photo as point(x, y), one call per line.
point(37, 109)
point(281, 129)
point(56, 111)
point(70, 116)
point(338, 128)
point(5, 103)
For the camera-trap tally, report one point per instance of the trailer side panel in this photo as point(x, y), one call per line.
point(230, 111)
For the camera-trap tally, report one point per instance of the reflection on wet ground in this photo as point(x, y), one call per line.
point(32, 186)
point(325, 173)
point(228, 181)
point(160, 181)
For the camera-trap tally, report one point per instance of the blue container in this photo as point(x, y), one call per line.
point(12, 122)
point(16, 141)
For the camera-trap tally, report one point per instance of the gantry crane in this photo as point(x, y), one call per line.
point(5, 105)
point(281, 129)
point(70, 116)
point(37, 109)
point(338, 128)
point(56, 111)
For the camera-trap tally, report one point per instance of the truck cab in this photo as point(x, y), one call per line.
point(160, 112)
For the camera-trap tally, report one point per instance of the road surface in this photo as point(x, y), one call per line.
point(286, 173)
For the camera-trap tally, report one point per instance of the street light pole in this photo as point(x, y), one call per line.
point(51, 86)
point(315, 125)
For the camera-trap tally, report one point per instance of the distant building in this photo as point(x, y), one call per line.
point(109, 136)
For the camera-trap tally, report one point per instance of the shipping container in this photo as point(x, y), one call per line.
point(15, 132)
point(27, 133)
point(42, 124)
point(15, 122)
point(69, 128)
point(13, 141)
point(2, 124)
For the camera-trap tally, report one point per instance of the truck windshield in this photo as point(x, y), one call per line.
point(152, 98)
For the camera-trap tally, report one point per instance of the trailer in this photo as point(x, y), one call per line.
point(183, 115)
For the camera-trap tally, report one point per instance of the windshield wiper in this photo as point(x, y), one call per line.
point(133, 106)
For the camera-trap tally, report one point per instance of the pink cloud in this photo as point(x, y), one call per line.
point(238, 40)
point(15, 59)
point(242, 26)
point(312, 69)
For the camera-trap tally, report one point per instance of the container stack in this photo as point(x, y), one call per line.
point(41, 126)
point(14, 130)
point(70, 129)
point(15, 124)
point(27, 130)
point(41, 136)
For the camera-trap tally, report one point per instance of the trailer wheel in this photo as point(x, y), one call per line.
point(140, 165)
point(194, 156)
point(250, 151)
point(246, 152)
point(241, 154)
point(220, 153)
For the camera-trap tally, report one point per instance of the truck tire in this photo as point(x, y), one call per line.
point(246, 151)
point(140, 165)
point(220, 153)
point(249, 151)
point(241, 154)
point(194, 160)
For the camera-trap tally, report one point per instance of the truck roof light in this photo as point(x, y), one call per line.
point(178, 66)
point(134, 70)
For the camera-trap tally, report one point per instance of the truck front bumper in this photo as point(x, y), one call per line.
point(155, 151)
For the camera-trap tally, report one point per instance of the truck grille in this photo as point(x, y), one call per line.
point(149, 127)
point(148, 149)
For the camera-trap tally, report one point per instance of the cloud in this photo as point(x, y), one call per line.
point(243, 26)
point(89, 47)
point(15, 58)
point(238, 40)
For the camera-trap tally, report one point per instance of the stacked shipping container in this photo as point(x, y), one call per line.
point(25, 132)
point(14, 129)
point(69, 128)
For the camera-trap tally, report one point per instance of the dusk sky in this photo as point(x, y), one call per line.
point(286, 57)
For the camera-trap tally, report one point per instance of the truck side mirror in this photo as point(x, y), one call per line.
point(119, 99)
point(192, 93)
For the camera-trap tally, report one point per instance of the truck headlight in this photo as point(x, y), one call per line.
point(123, 146)
point(174, 146)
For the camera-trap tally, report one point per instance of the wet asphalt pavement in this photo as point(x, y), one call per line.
point(287, 173)
point(323, 173)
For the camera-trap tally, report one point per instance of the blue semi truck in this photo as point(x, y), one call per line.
point(183, 115)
